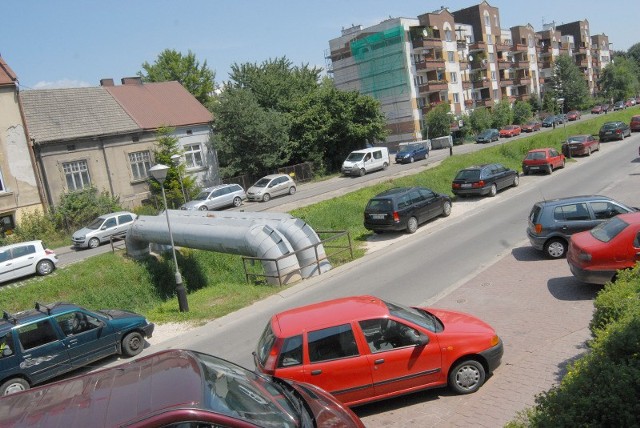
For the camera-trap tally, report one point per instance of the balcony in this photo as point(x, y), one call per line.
point(426, 42)
point(582, 63)
point(525, 80)
point(502, 47)
point(518, 47)
point(433, 86)
point(523, 63)
point(484, 103)
point(480, 83)
point(506, 81)
point(478, 46)
point(523, 97)
point(430, 64)
point(503, 64)
point(466, 84)
point(428, 107)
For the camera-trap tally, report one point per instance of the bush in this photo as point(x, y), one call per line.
point(617, 299)
point(36, 225)
point(77, 209)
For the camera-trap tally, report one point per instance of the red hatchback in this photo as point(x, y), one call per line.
point(596, 109)
point(634, 124)
point(510, 131)
point(545, 160)
point(596, 255)
point(573, 115)
point(363, 349)
point(532, 126)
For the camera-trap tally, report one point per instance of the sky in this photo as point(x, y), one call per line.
point(74, 43)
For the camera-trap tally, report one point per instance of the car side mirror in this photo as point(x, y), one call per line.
point(422, 340)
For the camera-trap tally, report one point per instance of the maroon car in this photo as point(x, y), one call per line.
point(580, 145)
point(532, 126)
point(596, 109)
point(634, 124)
point(573, 115)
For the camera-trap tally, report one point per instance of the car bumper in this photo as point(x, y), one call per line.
point(393, 227)
point(537, 242)
point(80, 244)
point(254, 198)
point(148, 330)
point(591, 276)
point(574, 151)
point(477, 192)
point(493, 356)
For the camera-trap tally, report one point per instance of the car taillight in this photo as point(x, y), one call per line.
point(48, 252)
point(396, 217)
point(455, 185)
point(478, 184)
point(618, 131)
point(538, 228)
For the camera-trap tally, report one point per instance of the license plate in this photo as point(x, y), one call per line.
point(608, 132)
point(466, 185)
point(534, 167)
point(377, 216)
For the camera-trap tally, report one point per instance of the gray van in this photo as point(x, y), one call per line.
point(551, 223)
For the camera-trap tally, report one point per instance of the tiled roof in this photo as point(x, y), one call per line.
point(7, 76)
point(153, 105)
point(65, 114)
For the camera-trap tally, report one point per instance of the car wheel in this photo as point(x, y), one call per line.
point(45, 267)
point(525, 171)
point(266, 197)
point(292, 190)
point(549, 169)
point(426, 156)
point(362, 172)
point(493, 191)
point(132, 344)
point(203, 208)
point(563, 162)
point(237, 201)
point(14, 385)
point(598, 147)
point(516, 181)
point(467, 377)
point(446, 209)
point(94, 243)
point(412, 225)
point(411, 159)
point(589, 151)
point(555, 248)
point(385, 166)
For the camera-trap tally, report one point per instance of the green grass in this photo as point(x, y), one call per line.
point(216, 281)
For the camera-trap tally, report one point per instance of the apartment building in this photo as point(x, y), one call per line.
point(463, 57)
point(600, 57)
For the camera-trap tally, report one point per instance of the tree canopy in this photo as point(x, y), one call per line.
point(186, 69)
point(620, 79)
point(438, 121)
point(569, 83)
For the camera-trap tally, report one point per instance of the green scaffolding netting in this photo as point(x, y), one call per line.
point(381, 63)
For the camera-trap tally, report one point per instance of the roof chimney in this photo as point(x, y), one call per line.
point(132, 80)
point(106, 82)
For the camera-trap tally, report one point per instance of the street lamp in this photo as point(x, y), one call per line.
point(159, 172)
point(176, 160)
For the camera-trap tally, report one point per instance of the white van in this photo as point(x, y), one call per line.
point(360, 162)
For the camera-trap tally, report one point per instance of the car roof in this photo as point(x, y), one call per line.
point(219, 186)
point(272, 176)
point(115, 213)
point(9, 320)
point(569, 199)
point(395, 191)
point(331, 312)
point(124, 394)
point(36, 241)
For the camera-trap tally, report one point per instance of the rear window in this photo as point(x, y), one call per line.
point(469, 175)
point(380, 205)
point(608, 230)
point(534, 215)
point(535, 155)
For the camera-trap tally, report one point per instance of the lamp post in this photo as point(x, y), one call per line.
point(176, 160)
point(159, 172)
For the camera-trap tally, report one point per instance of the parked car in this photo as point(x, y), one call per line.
point(606, 107)
point(488, 135)
point(217, 197)
point(614, 131)
point(42, 343)
point(270, 186)
point(632, 101)
point(597, 255)
point(532, 126)
point(619, 105)
point(549, 121)
point(404, 208)
point(485, 179)
point(175, 388)
point(364, 161)
point(363, 349)
point(596, 109)
point(103, 228)
point(553, 222)
point(573, 115)
point(545, 160)
point(634, 123)
point(412, 152)
point(510, 131)
point(580, 145)
point(26, 258)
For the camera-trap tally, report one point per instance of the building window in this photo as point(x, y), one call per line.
point(140, 164)
point(493, 75)
point(487, 20)
point(2, 186)
point(492, 57)
point(447, 35)
point(495, 94)
point(450, 56)
point(77, 175)
point(193, 156)
point(454, 77)
point(6, 225)
point(456, 98)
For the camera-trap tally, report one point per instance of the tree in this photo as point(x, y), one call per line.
point(521, 112)
point(535, 103)
point(480, 119)
point(167, 145)
point(633, 54)
point(620, 79)
point(172, 65)
point(549, 101)
point(569, 84)
point(502, 114)
point(438, 122)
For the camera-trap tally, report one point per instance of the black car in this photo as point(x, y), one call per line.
point(487, 136)
point(549, 121)
point(404, 208)
point(484, 180)
point(552, 222)
point(614, 131)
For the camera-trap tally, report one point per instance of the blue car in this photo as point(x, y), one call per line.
point(39, 344)
point(412, 152)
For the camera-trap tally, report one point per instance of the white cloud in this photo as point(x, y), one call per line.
point(64, 83)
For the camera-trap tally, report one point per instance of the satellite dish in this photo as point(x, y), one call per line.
point(470, 57)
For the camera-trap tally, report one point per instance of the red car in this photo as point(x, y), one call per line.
point(545, 160)
point(573, 115)
point(510, 131)
point(596, 109)
point(532, 126)
point(580, 145)
point(363, 349)
point(596, 255)
point(634, 124)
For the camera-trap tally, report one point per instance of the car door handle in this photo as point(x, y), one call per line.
point(379, 361)
point(316, 372)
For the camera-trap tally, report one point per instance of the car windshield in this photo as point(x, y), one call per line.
point(95, 224)
point(416, 316)
point(262, 182)
point(535, 155)
point(235, 391)
point(468, 174)
point(608, 230)
point(202, 196)
point(355, 157)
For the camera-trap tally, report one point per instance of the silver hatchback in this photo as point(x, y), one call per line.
point(216, 197)
point(103, 228)
point(271, 185)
